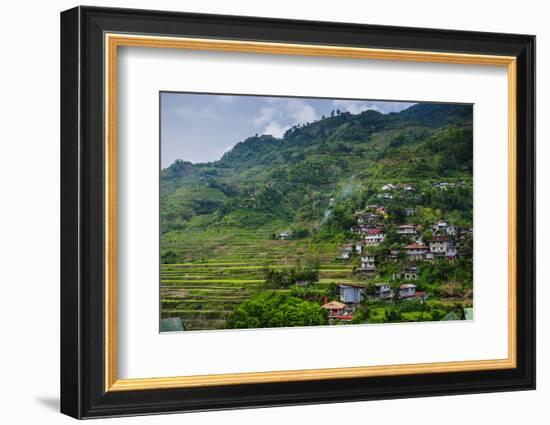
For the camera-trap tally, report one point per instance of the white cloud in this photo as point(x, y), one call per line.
point(300, 111)
point(265, 115)
point(281, 114)
point(353, 106)
point(275, 129)
point(358, 106)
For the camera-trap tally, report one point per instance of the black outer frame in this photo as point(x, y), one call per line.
point(82, 219)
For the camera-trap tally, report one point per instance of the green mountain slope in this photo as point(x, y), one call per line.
point(290, 181)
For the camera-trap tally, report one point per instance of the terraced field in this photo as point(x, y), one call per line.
point(214, 275)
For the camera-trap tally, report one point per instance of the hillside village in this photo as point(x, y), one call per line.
point(413, 245)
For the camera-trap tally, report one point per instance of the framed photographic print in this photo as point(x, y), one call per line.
point(261, 212)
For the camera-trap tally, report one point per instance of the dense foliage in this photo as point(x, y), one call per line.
point(342, 156)
point(273, 309)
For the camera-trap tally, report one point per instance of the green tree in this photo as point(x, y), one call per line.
point(273, 309)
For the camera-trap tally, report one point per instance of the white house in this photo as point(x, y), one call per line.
point(416, 251)
point(374, 237)
point(284, 235)
point(388, 186)
point(368, 260)
point(368, 264)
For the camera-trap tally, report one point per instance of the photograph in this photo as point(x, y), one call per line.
point(279, 212)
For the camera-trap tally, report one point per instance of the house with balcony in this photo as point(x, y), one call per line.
point(407, 230)
point(374, 237)
point(368, 264)
point(407, 290)
point(416, 251)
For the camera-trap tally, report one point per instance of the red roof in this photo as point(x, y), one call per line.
point(374, 231)
point(349, 317)
point(439, 239)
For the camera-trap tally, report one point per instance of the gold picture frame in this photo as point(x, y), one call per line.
point(114, 41)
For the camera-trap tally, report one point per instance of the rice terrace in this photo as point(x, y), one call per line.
point(327, 213)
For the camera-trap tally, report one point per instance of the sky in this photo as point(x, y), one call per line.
point(202, 127)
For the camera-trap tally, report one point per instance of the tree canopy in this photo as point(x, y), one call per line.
point(275, 309)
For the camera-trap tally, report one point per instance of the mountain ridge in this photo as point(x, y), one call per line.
point(292, 178)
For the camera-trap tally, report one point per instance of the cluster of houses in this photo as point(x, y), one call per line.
point(370, 227)
point(417, 245)
point(441, 242)
point(351, 296)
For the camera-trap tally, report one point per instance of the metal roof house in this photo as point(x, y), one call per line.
point(351, 294)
